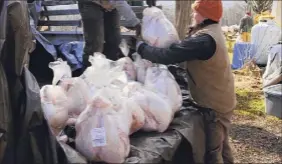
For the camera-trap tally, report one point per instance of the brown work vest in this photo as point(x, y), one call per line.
point(211, 82)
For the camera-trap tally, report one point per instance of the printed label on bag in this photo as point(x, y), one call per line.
point(99, 137)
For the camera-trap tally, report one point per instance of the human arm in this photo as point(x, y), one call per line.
point(201, 47)
point(125, 10)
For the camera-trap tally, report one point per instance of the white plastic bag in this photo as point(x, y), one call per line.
point(121, 102)
point(78, 94)
point(138, 115)
point(103, 133)
point(53, 102)
point(124, 47)
point(158, 113)
point(160, 80)
point(141, 66)
point(128, 67)
point(157, 30)
point(103, 72)
point(61, 70)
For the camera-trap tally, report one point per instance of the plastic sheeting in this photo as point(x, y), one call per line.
point(22, 120)
point(183, 141)
point(242, 53)
point(34, 9)
point(273, 71)
point(263, 36)
point(72, 52)
point(24, 134)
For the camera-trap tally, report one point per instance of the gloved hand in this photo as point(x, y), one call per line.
point(151, 3)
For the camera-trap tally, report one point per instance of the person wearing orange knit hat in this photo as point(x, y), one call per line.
point(210, 77)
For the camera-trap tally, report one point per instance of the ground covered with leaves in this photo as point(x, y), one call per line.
point(255, 137)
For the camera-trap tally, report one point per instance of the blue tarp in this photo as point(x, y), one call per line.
point(49, 47)
point(242, 52)
point(72, 51)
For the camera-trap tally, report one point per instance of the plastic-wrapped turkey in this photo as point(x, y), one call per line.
point(120, 102)
point(53, 102)
point(158, 113)
point(128, 67)
point(78, 94)
point(141, 66)
point(161, 81)
point(102, 132)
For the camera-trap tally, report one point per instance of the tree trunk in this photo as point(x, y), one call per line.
point(182, 19)
point(183, 16)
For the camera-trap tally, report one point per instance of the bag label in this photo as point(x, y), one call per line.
point(99, 137)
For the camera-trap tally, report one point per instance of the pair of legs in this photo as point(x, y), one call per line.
point(246, 36)
point(101, 31)
point(217, 141)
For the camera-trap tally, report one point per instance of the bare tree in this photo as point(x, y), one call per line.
point(259, 6)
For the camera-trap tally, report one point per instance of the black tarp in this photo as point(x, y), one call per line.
point(24, 135)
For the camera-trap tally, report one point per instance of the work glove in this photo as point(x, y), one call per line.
point(151, 3)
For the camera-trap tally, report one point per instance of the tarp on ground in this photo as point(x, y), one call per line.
point(242, 53)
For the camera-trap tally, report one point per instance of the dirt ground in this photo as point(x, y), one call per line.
point(254, 137)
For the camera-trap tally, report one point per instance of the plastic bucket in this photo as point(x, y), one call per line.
point(273, 100)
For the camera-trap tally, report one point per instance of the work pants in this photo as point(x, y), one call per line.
point(217, 128)
point(101, 31)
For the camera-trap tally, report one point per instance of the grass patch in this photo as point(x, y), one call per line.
point(250, 102)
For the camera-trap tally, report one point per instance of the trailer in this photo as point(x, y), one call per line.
point(60, 20)
point(24, 133)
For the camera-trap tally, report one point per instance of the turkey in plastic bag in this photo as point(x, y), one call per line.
point(102, 132)
point(78, 95)
point(61, 70)
point(120, 102)
point(53, 102)
point(138, 115)
point(141, 66)
point(128, 67)
point(102, 72)
point(157, 30)
point(158, 113)
point(160, 80)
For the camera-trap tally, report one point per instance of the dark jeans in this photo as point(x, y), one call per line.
point(101, 31)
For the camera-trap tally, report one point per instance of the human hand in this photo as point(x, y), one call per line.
point(107, 6)
point(139, 41)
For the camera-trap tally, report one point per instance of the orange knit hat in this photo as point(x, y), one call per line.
point(211, 9)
